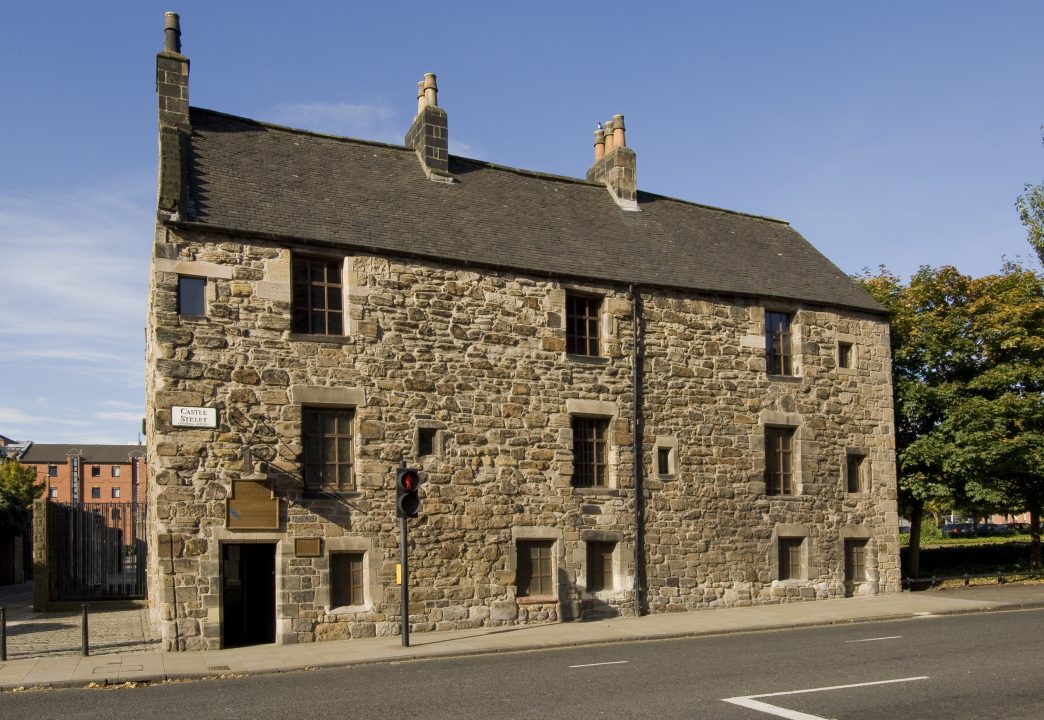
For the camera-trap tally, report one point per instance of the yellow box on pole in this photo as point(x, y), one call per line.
point(398, 573)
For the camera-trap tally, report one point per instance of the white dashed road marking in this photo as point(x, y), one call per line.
point(888, 637)
point(749, 701)
point(614, 662)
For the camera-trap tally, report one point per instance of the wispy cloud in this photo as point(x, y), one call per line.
point(120, 416)
point(363, 120)
point(75, 269)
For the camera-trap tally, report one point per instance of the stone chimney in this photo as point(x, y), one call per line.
point(429, 134)
point(615, 164)
point(172, 72)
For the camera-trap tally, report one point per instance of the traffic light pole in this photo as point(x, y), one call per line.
point(404, 600)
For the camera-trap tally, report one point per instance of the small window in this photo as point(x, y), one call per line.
point(54, 492)
point(534, 576)
point(328, 452)
point(95, 470)
point(779, 461)
point(115, 471)
point(115, 493)
point(600, 566)
point(95, 493)
point(790, 558)
point(844, 354)
point(317, 301)
point(855, 472)
point(778, 355)
point(663, 460)
point(855, 560)
point(192, 296)
point(426, 441)
point(582, 315)
point(590, 451)
point(52, 471)
point(346, 579)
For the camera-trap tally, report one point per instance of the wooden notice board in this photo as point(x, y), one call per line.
point(252, 506)
point(306, 547)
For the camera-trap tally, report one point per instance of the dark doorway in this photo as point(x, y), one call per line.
point(248, 594)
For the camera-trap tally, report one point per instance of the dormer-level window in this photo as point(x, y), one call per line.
point(582, 314)
point(318, 306)
point(778, 353)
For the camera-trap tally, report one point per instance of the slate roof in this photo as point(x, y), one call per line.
point(92, 454)
point(260, 179)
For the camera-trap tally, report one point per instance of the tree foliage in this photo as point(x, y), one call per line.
point(17, 492)
point(968, 375)
point(1031, 211)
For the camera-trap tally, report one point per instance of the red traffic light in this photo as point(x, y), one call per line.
point(407, 501)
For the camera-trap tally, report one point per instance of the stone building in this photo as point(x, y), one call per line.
point(321, 308)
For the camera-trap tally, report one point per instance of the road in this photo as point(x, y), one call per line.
point(954, 667)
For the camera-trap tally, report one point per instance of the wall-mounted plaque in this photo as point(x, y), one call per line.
point(306, 547)
point(252, 506)
point(181, 416)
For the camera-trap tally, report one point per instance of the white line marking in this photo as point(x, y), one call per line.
point(614, 662)
point(748, 701)
point(887, 637)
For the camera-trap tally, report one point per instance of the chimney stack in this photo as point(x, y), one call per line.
point(429, 134)
point(615, 164)
point(172, 73)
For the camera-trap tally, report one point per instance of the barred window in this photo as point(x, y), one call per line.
point(778, 356)
point(590, 451)
point(327, 438)
point(790, 558)
point(534, 576)
point(582, 313)
point(779, 461)
point(317, 299)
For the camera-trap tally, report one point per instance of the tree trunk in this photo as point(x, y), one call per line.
point(913, 557)
point(1035, 537)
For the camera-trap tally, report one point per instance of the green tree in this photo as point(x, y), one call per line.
point(933, 359)
point(1031, 211)
point(997, 427)
point(17, 492)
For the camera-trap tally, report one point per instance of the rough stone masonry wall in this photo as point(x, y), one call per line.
point(711, 529)
point(480, 357)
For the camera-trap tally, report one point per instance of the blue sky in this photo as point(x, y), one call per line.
point(888, 133)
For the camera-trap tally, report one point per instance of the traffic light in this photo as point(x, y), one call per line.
point(407, 501)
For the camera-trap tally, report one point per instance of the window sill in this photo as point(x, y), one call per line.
point(332, 339)
point(312, 494)
point(350, 609)
point(603, 491)
point(587, 359)
point(783, 378)
point(536, 599)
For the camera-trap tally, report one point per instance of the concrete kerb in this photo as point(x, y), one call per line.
point(414, 654)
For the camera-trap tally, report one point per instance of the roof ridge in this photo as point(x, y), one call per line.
point(525, 172)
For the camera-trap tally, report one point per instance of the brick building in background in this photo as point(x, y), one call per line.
point(619, 402)
point(88, 473)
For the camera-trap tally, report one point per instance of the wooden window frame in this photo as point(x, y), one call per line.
point(347, 579)
point(590, 451)
point(779, 354)
point(779, 461)
point(791, 558)
point(317, 468)
point(855, 560)
point(600, 565)
point(311, 275)
point(583, 324)
point(535, 571)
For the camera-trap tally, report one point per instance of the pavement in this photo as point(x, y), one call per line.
point(44, 649)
